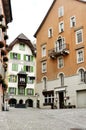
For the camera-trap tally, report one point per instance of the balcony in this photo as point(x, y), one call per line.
point(61, 50)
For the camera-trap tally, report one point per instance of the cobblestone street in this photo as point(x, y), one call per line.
point(43, 119)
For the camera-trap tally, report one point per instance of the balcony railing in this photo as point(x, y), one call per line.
point(61, 50)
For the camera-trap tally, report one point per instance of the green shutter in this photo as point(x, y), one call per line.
point(31, 58)
point(24, 57)
point(11, 55)
point(25, 92)
point(31, 69)
point(24, 68)
point(32, 91)
point(19, 56)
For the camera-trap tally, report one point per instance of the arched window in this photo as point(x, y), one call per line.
point(61, 79)
point(82, 75)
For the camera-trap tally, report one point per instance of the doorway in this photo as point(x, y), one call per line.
point(61, 99)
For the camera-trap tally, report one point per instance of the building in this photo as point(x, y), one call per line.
point(61, 52)
point(21, 72)
point(5, 18)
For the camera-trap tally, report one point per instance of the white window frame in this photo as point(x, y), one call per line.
point(43, 50)
point(77, 32)
point(60, 11)
point(80, 57)
point(81, 75)
point(72, 21)
point(50, 32)
point(60, 62)
point(61, 76)
point(44, 67)
point(61, 26)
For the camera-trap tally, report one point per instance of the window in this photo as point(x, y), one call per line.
point(21, 90)
point(79, 36)
point(61, 27)
point(44, 67)
point(43, 50)
point(21, 79)
point(49, 98)
point(50, 32)
point(15, 56)
point(60, 44)
point(30, 80)
point(72, 21)
point(80, 56)
point(62, 79)
point(27, 68)
point(61, 11)
point(15, 67)
point(12, 78)
point(45, 82)
point(81, 75)
point(28, 58)
point(21, 46)
point(30, 91)
point(60, 62)
point(12, 90)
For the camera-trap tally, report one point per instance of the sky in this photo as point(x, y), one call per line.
point(27, 17)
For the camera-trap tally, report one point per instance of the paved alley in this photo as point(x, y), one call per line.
point(43, 119)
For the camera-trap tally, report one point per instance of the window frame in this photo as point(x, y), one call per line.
point(12, 90)
point(60, 62)
point(72, 19)
point(77, 38)
point(60, 11)
point(50, 32)
point(81, 75)
point(61, 26)
point(61, 76)
point(43, 50)
point(44, 67)
point(22, 46)
point(80, 57)
point(14, 67)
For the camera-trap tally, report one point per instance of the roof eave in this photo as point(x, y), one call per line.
point(7, 10)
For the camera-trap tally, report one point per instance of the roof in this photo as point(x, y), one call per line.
point(84, 1)
point(7, 10)
point(22, 38)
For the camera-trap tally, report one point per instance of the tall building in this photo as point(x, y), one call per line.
point(5, 18)
point(61, 52)
point(21, 72)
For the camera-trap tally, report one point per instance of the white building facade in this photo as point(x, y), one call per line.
point(21, 72)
